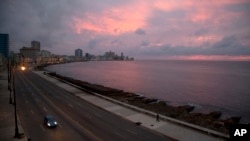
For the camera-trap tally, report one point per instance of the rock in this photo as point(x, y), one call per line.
point(236, 119)
point(148, 101)
point(218, 124)
point(215, 114)
point(231, 121)
point(187, 108)
point(163, 103)
point(174, 115)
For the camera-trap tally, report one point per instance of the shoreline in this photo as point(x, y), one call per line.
point(184, 113)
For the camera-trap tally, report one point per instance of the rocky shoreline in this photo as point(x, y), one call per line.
point(184, 113)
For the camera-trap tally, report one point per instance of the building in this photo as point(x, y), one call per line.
point(45, 53)
point(109, 55)
point(78, 53)
point(31, 54)
point(35, 45)
point(44, 57)
point(4, 45)
point(122, 56)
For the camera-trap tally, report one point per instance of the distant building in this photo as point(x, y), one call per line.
point(31, 54)
point(35, 45)
point(4, 45)
point(45, 53)
point(87, 56)
point(122, 56)
point(78, 53)
point(44, 57)
point(109, 55)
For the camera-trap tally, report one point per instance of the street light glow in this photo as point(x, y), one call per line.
point(23, 68)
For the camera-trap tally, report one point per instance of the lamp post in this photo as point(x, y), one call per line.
point(17, 134)
point(9, 81)
point(15, 103)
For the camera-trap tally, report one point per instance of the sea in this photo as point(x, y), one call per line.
point(208, 85)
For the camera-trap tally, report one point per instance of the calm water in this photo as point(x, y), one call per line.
point(209, 85)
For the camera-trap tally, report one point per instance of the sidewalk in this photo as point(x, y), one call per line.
point(7, 118)
point(143, 117)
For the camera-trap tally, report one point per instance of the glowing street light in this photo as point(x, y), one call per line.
point(23, 68)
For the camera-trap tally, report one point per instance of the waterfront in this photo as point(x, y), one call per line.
point(209, 85)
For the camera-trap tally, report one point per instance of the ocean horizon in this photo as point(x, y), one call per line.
point(207, 85)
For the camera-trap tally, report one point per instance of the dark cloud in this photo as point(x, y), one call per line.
point(163, 19)
point(238, 7)
point(93, 43)
point(227, 46)
point(116, 43)
point(29, 20)
point(201, 31)
point(228, 42)
point(144, 43)
point(140, 31)
point(230, 45)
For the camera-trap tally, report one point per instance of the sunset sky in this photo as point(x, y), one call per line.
point(144, 29)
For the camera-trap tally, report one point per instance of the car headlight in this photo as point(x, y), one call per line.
point(48, 124)
point(55, 123)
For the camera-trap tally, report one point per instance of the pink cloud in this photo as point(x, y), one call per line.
point(114, 21)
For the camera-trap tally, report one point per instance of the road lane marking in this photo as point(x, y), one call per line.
point(120, 135)
point(44, 109)
point(98, 115)
point(88, 116)
point(60, 125)
point(71, 105)
point(131, 131)
point(42, 127)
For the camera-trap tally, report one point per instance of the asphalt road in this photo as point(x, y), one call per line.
point(78, 120)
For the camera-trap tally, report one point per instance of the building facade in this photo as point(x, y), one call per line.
point(45, 53)
point(4, 45)
point(35, 45)
point(78, 53)
point(31, 54)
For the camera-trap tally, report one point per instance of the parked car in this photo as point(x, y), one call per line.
point(49, 121)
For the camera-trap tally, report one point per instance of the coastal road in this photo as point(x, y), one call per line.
point(78, 120)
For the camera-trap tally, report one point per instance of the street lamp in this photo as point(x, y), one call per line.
point(9, 81)
point(17, 134)
point(14, 67)
point(23, 68)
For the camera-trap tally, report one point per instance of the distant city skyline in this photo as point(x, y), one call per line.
point(144, 29)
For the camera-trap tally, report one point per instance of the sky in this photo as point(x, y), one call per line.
point(143, 29)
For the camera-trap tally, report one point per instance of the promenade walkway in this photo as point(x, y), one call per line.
point(7, 118)
point(144, 118)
